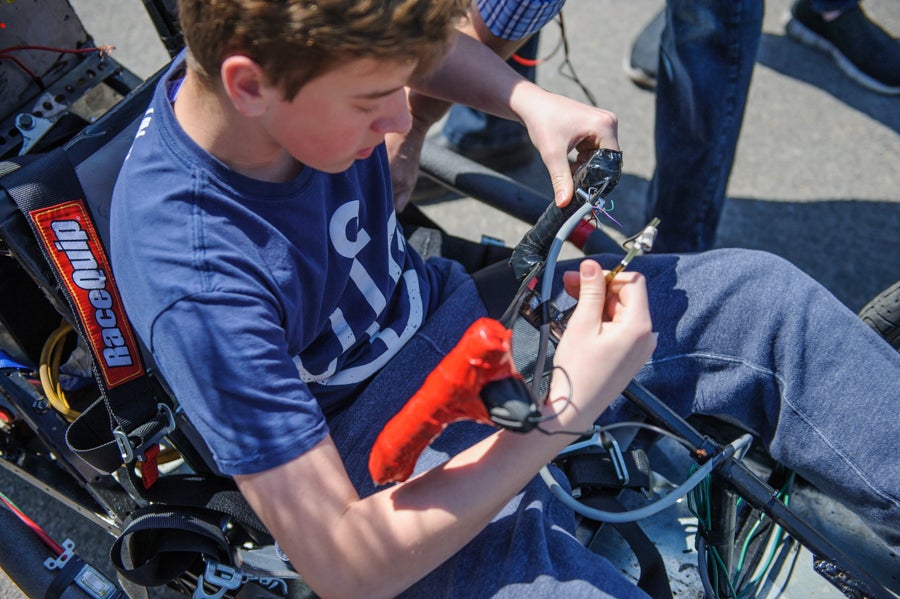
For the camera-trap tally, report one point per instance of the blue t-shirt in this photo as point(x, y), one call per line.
point(264, 304)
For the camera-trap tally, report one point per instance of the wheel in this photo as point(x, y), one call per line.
point(882, 313)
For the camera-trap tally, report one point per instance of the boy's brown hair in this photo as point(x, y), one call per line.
point(295, 40)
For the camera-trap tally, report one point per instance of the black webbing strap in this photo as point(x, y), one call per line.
point(62, 582)
point(216, 494)
point(182, 526)
point(49, 195)
point(653, 579)
point(592, 469)
point(160, 543)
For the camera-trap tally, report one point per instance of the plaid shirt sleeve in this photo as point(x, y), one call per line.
point(516, 19)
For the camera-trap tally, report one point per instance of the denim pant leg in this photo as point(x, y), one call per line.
point(707, 54)
point(747, 335)
point(741, 333)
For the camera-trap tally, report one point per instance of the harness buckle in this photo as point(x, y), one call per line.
point(129, 451)
point(226, 578)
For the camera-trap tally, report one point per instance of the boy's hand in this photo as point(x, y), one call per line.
point(608, 338)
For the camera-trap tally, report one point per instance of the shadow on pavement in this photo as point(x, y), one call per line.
point(818, 237)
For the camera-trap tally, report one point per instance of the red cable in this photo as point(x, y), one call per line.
point(4, 53)
point(18, 63)
point(527, 62)
point(48, 541)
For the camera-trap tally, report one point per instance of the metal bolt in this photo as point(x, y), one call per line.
point(25, 121)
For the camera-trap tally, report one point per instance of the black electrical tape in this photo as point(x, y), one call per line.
point(535, 244)
point(601, 174)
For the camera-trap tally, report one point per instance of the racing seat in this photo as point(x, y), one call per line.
point(54, 225)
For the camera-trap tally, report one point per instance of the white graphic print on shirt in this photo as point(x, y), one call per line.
point(340, 224)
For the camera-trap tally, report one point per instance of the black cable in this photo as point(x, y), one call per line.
point(537, 422)
point(571, 75)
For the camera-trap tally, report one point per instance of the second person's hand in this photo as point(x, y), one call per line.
point(557, 125)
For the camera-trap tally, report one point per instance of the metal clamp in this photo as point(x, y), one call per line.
point(32, 128)
point(606, 441)
point(612, 448)
point(594, 196)
point(57, 563)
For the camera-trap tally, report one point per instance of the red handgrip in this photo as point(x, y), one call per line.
point(450, 393)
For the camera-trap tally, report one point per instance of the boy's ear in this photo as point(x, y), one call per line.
point(245, 83)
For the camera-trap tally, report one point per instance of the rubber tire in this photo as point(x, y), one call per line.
point(882, 313)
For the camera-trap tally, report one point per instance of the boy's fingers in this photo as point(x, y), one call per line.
point(571, 282)
point(591, 295)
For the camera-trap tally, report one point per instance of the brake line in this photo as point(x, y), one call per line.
point(736, 448)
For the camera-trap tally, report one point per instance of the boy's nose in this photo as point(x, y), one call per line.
point(396, 118)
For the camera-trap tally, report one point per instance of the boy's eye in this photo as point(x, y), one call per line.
point(367, 109)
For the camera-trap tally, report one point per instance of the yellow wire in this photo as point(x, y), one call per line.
point(51, 357)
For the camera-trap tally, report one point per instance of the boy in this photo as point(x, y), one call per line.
point(257, 250)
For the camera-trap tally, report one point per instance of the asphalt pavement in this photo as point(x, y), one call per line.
point(816, 178)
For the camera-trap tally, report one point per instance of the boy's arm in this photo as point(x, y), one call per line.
point(377, 546)
point(345, 546)
point(474, 75)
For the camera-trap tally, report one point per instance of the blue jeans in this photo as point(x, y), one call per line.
point(707, 53)
point(742, 334)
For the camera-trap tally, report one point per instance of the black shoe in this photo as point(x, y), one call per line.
point(642, 62)
point(862, 50)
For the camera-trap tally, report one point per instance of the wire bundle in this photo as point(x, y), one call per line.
point(714, 572)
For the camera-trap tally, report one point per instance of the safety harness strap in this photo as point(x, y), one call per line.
point(653, 579)
point(161, 543)
point(64, 579)
point(213, 494)
point(49, 195)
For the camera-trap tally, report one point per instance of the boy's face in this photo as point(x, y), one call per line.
point(343, 114)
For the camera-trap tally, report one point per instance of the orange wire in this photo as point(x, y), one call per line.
point(527, 62)
point(100, 49)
